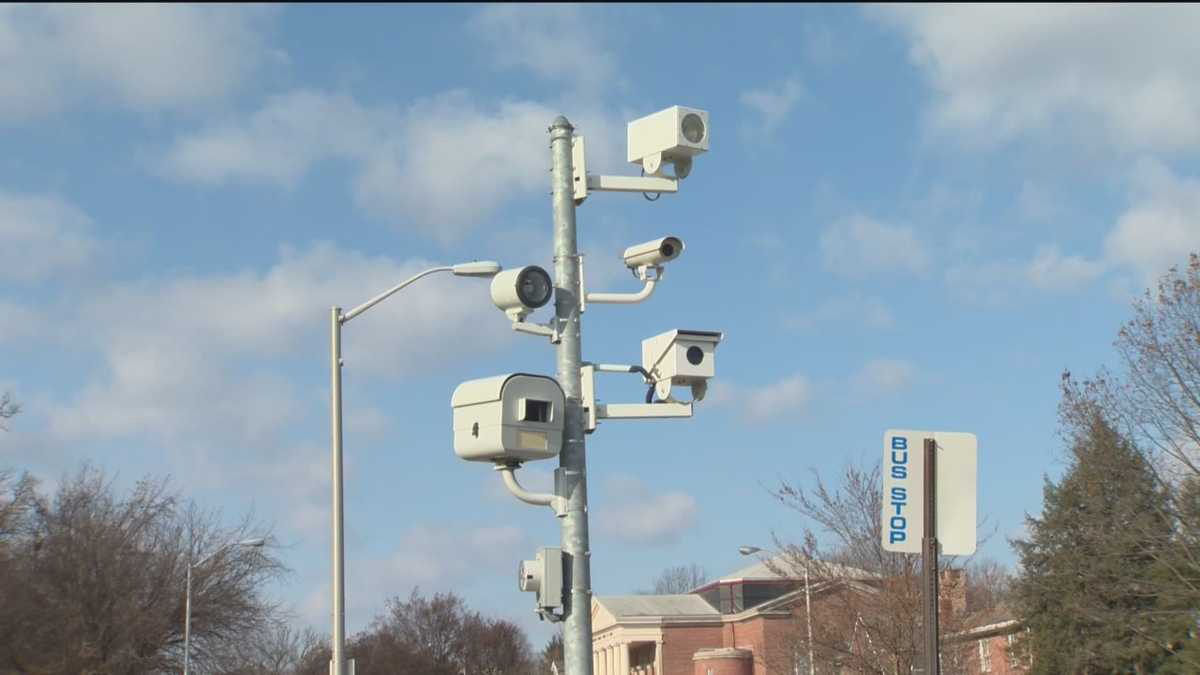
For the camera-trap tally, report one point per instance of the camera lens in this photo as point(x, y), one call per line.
point(695, 355)
point(533, 287)
point(693, 128)
point(667, 249)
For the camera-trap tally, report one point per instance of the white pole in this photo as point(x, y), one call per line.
point(187, 612)
point(339, 552)
point(812, 667)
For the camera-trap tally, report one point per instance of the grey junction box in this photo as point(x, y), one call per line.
point(508, 418)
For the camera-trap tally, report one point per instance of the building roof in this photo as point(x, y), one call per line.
point(623, 606)
point(761, 571)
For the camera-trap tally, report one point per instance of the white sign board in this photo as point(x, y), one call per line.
point(903, 523)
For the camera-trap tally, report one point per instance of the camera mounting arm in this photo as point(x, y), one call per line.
point(594, 411)
point(584, 181)
point(508, 473)
point(642, 273)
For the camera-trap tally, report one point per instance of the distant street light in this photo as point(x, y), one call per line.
point(187, 617)
point(812, 668)
point(482, 268)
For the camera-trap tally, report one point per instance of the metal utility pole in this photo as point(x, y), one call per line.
point(929, 560)
point(577, 626)
point(339, 549)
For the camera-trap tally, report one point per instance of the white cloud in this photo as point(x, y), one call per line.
point(18, 322)
point(560, 43)
point(1047, 271)
point(439, 556)
point(1161, 226)
point(880, 377)
point(638, 516)
point(1037, 204)
point(41, 236)
point(859, 246)
point(1119, 73)
point(784, 398)
point(773, 103)
point(1051, 271)
point(172, 376)
point(282, 141)
point(454, 162)
point(441, 166)
point(855, 308)
point(136, 56)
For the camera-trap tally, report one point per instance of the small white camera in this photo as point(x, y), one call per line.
point(674, 135)
point(653, 253)
point(520, 291)
point(678, 358)
point(543, 576)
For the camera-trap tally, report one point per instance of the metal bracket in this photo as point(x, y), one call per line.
point(583, 182)
point(594, 411)
point(552, 329)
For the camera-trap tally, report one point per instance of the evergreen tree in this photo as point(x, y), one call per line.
point(1094, 564)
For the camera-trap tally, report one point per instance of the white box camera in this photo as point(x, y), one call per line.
point(543, 576)
point(674, 135)
point(514, 417)
point(680, 357)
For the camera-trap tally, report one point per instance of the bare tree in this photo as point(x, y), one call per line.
point(866, 602)
point(440, 636)
point(95, 582)
point(8, 408)
point(677, 580)
point(275, 648)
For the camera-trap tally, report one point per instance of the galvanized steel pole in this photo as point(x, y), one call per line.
point(577, 628)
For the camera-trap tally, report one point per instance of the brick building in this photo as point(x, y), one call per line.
point(749, 623)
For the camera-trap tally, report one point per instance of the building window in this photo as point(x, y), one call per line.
point(1014, 659)
point(985, 657)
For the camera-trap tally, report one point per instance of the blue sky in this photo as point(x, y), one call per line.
point(909, 217)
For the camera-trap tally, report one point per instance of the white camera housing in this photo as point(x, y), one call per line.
point(680, 357)
point(521, 290)
point(543, 576)
point(653, 253)
point(674, 135)
point(508, 418)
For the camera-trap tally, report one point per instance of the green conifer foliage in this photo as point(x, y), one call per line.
point(1093, 565)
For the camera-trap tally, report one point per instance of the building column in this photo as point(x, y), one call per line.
point(658, 657)
point(623, 651)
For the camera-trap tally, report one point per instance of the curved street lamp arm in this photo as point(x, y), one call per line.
point(388, 293)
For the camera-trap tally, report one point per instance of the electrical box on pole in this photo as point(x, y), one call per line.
point(544, 576)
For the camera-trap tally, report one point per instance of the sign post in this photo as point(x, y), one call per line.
point(942, 520)
point(929, 559)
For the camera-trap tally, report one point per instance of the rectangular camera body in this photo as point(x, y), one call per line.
point(663, 132)
point(682, 356)
point(513, 417)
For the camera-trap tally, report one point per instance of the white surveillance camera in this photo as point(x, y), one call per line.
point(653, 253)
point(674, 135)
point(520, 291)
point(680, 358)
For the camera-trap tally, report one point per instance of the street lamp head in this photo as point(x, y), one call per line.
point(479, 268)
point(748, 550)
point(252, 543)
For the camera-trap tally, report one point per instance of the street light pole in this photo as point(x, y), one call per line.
point(577, 628)
point(187, 615)
point(812, 668)
point(336, 319)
